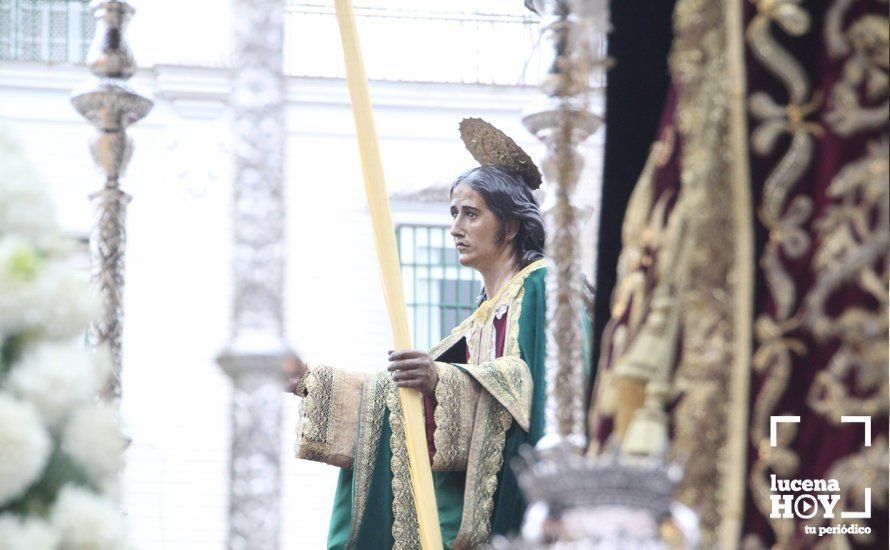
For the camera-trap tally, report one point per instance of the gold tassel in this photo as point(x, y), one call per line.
point(648, 431)
point(648, 361)
point(630, 394)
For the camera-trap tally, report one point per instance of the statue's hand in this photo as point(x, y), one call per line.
point(294, 370)
point(413, 369)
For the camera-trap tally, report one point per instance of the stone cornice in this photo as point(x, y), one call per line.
point(195, 83)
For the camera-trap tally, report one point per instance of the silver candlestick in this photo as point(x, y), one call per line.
point(111, 104)
point(255, 351)
point(562, 120)
point(615, 500)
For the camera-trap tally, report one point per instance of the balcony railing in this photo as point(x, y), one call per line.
point(463, 41)
point(459, 41)
point(55, 31)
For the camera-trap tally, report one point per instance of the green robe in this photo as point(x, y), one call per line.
point(487, 408)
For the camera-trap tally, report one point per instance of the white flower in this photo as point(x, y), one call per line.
point(93, 438)
point(87, 521)
point(42, 294)
point(26, 534)
point(56, 377)
point(67, 304)
point(24, 447)
point(25, 205)
point(20, 266)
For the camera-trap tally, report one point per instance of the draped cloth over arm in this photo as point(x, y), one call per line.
point(330, 417)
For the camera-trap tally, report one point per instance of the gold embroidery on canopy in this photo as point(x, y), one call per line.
point(864, 75)
point(784, 220)
point(853, 231)
point(849, 251)
point(851, 255)
point(699, 262)
point(853, 237)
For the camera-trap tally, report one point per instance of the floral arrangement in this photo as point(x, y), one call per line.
point(61, 451)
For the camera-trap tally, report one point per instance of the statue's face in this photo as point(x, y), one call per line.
point(475, 229)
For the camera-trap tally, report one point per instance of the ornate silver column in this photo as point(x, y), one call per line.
point(562, 120)
point(614, 500)
point(254, 353)
point(111, 104)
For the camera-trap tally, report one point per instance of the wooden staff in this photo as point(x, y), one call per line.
point(387, 256)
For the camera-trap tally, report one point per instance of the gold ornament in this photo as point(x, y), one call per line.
point(492, 147)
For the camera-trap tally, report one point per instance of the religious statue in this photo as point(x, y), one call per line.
point(483, 385)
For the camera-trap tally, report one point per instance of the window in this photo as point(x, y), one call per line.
point(439, 292)
point(45, 30)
